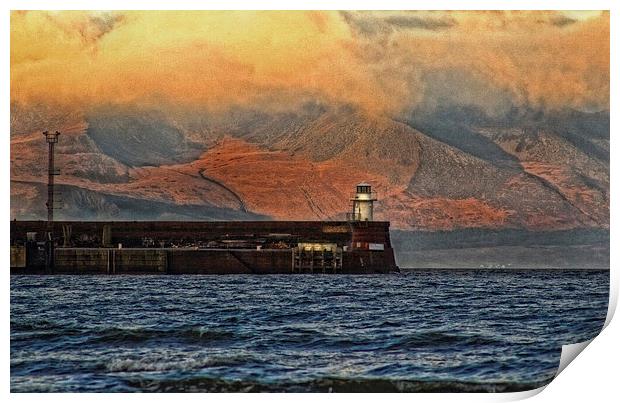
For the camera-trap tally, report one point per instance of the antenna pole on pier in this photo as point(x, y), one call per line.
point(51, 139)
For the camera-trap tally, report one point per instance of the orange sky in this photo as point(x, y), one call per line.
point(381, 61)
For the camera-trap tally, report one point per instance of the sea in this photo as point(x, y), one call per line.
point(416, 331)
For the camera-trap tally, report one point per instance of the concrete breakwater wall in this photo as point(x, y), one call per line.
point(146, 247)
point(192, 261)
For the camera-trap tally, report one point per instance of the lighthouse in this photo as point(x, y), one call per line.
point(363, 201)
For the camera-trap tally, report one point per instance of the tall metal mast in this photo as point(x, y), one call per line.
point(52, 139)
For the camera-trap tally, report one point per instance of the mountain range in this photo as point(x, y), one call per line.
point(448, 169)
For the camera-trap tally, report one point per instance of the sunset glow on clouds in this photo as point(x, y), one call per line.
point(383, 62)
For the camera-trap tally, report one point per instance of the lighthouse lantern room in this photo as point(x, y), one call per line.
point(363, 201)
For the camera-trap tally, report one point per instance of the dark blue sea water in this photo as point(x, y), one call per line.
point(441, 330)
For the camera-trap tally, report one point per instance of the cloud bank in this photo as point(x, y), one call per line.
point(384, 62)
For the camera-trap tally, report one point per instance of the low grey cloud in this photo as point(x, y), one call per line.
point(371, 24)
point(106, 22)
point(428, 23)
point(561, 21)
point(100, 25)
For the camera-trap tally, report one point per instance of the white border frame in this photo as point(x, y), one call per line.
point(594, 376)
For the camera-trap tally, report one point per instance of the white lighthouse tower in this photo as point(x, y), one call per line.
point(363, 203)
